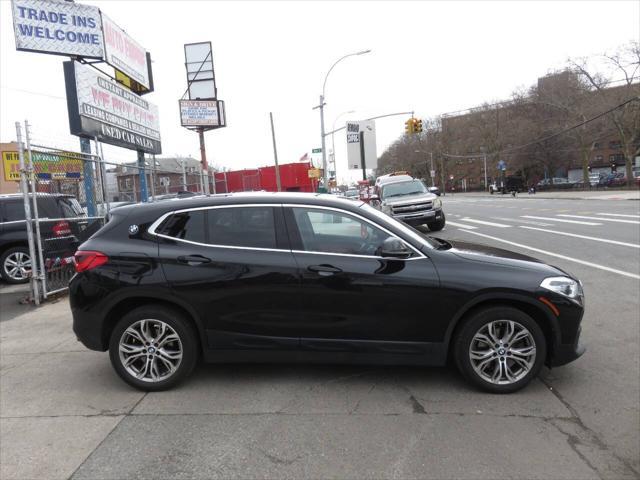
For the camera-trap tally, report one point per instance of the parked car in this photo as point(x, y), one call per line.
point(615, 179)
point(60, 236)
point(282, 277)
point(352, 194)
point(407, 199)
point(511, 184)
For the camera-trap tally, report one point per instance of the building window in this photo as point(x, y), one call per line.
point(599, 159)
point(596, 145)
point(127, 183)
point(617, 158)
point(615, 145)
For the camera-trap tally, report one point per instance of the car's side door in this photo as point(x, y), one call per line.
point(354, 298)
point(233, 264)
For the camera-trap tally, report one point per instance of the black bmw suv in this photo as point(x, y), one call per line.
point(271, 277)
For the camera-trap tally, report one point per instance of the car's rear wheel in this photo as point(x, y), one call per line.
point(500, 349)
point(15, 265)
point(153, 348)
point(438, 225)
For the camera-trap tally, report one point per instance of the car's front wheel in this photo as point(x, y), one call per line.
point(500, 349)
point(153, 348)
point(438, 225)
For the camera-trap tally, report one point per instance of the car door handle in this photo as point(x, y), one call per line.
point(324, 270)
point(193, 259)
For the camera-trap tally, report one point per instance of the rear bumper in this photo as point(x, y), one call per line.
point(564, 353)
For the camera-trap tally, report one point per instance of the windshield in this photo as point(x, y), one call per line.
point(411, 232)
point(403, 188)
point(351, 193)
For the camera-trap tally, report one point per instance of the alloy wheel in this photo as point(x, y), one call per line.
point(150, 350)
point(17, 266)
point(502, 352)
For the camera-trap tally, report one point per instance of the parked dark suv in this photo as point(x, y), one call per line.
point(60, 236)
point(301, 277)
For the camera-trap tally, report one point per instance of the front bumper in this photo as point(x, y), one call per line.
point(565, 353)
point(420, 218)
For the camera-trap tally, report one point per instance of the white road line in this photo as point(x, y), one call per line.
point(528, 222)
point(614, 242)
point(481, 222)
point(619, 215)
point(460, 225)
point(561, 220)
point(636, 222)
point(544, 252)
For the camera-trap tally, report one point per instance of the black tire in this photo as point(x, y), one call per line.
point(464, 337)
point(437, 226)
point(182, 327)
point(3, 271)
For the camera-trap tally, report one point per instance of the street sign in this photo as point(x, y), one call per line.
point(433, 174)
point(316, 150)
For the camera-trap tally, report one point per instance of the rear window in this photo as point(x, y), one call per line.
point(185, 226)
point(70, 207)
point(13, 210)
point(242, 227)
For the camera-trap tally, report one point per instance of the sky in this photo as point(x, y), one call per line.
point(426, 57)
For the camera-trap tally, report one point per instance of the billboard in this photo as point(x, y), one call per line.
point(125, 54)
point(201, 78)
point(46, 165)
point(58, 27)
point(202, 113)
point(365, 129)
point(100, 107)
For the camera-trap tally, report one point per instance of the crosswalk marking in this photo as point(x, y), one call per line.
point(614, 242)
point(616, 215)
point(460, 225)
point(528, 222)
point(551, 219)
point(636, 222)
point(482, 222)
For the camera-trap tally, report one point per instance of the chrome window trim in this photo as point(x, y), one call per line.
point(152, 230)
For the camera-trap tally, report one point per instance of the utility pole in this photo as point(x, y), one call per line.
point(275, 153)
point(184, 175)
point(486, 187)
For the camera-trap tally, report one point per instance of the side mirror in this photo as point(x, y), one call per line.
point(393, 247)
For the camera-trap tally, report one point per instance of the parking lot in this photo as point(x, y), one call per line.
point(65, 414)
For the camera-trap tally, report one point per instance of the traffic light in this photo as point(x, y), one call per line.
point(408, 126)
point(417, 125)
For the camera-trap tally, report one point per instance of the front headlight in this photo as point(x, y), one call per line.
point(437, 203)
point(565, 286)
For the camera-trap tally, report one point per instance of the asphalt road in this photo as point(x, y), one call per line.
point(65, 414)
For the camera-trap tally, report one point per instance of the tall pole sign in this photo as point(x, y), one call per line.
point(201, 111)
point(107, 108)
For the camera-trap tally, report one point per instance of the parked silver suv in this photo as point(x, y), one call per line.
point(406, 198)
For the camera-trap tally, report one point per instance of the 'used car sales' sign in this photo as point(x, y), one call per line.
point(99, 107)
point(58, 27)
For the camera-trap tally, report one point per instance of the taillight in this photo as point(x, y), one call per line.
point(61, 229)
point(88, 260)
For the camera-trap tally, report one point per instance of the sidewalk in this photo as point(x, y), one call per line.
point(561, 195)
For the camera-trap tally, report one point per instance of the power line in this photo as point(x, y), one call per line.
point(549, 137)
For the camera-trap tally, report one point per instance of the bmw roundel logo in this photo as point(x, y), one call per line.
point(133, 229)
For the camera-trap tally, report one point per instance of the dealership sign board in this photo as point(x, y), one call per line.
point(202, 113)
point(99, 107)
point(46, 165)
point(58, 27)
point(125, 54)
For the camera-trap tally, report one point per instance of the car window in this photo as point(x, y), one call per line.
point(68, 209)
point(336, 232)
point(242, 227)
point(13, 211)
point(185, 226)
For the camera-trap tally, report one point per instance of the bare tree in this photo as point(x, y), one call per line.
point(626, 118)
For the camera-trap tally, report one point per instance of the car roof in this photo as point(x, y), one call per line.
point(9, 196)
point(318, 199)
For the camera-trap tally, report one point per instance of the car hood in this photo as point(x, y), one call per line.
point(487, 254)
point(410, 199)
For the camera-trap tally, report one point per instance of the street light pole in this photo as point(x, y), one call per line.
point(325, 173)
